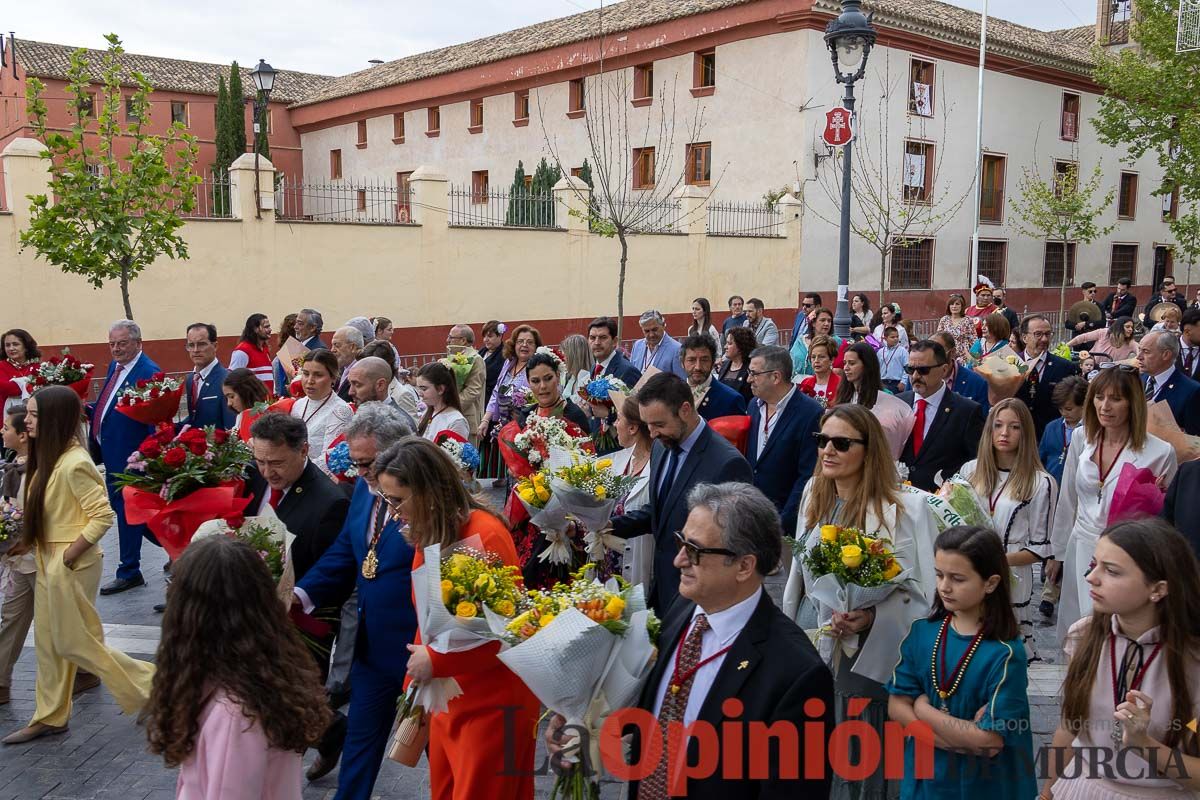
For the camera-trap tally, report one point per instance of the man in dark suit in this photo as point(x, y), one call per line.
point(1189, 344)
point(998, 297)
point(1158, 353)
point(962, 381)
point(698, 354)
point(947, 429)
point(205, 397)
point(347, 345)
point(724, 641)
point(309, 324)
point(1167, 293)
point(1045, 371)
point(314, 510)
point(1120, 303)
point(808, 304)
point(685, 453)
point(781, 448)
point(1182, 505)
point(602, 339)
point(1083, 326)
point(114, 437)
point(386, 619)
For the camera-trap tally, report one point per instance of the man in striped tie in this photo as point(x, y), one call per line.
point(1189, 344)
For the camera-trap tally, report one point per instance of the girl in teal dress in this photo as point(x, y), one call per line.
point(962, 671)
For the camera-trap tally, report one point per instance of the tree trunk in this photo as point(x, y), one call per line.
point(882, 274)
point(1062, 291)
point(621, 284)
point(125, 288)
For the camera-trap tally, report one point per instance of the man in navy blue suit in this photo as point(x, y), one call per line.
point(714, 399)
point(1158, 353)
point(1045, 371)
point(602, 340)
point(202, 388)
point(309, 324)
point(387, 621)
point(781, 448)
point(685, 453)
point(114, 436)
point(962, 381)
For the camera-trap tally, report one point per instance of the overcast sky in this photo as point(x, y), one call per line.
point(335, 38)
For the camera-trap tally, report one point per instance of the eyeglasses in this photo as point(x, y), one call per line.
point(922, 371)
point(754, 374)
point(807, 305)
point(364, 466)
point(840, 443)
point(195, 345)
point(693, 552)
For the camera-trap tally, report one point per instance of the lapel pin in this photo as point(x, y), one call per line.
point(298, 489)
point(743, 665)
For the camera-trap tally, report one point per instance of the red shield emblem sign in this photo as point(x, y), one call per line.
point(839, 127)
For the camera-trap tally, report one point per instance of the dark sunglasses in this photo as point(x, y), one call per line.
point(840, 443)
point(693, 552)
point(922, 371)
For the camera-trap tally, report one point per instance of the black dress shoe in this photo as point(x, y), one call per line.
point(122, 584)
point(160, 608)
point(1046, 608)
point(321, 767)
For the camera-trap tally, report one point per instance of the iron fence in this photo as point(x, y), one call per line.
point(368, 202)
point(214, 198)
point(744, 219)
point(476, 207)
point(646, 216)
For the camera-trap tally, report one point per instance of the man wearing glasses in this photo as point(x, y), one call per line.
point(384, 618)
point(808, 304)
point(685, 453)
point(1045, 370)
point(947, 426)
point(461, 339)
point(205, 398)
point(1084, 325)
point(114, 436)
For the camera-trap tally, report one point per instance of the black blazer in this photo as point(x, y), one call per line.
point(1182, 394)
point(952, 441)
point(314, 509)
point(1114, 307)
point(1194, 374)
point(773, 669)
point(789, 456)
point(623, 369)
point(711, 460)
point(1182, 505)
point(1039, 396)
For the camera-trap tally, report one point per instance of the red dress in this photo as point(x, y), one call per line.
point(476, 740)
point(8, 388)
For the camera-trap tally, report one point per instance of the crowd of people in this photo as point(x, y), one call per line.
point(732, 439)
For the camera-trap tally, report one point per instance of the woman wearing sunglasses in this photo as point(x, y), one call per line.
point(1114, 426)
point(855, 485)
point(862, 384)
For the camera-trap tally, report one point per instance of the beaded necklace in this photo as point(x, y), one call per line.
point(937, 668)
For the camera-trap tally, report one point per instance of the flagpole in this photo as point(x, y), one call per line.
point(974, 272)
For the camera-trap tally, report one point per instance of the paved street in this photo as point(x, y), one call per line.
point(103, 756)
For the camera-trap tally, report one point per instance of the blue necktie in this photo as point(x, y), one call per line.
point(668, 478)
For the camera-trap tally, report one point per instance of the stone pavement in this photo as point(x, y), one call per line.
point(104, 756)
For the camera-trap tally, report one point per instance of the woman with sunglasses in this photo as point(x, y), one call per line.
point(862, 384)
point(1020, 494)
point(855, 485)
point(1115, 435)
point(422, 486)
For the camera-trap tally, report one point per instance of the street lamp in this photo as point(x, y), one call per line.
point(263, 77)
point(849, 38)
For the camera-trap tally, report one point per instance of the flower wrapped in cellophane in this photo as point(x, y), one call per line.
point(588, 489)
point(11, 520)
point(152, 400)
point(339, 463)
point(1004, 375)
point(61, 370)
point(460, 364)
point(583, 649)
point(958, 492)
point(548, 515)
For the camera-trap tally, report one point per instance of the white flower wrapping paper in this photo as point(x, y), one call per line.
point(843, 598)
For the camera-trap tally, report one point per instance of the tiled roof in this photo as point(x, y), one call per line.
point(630, 14)
point(46, 60)
point(1084, 35)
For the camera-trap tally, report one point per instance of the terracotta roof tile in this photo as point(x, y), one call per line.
point(47, 60)
point(1084, 35)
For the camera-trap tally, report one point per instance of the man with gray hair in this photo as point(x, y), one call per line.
point(1158, 353)
point(729, 641)
point(372, 561)
point(657, 348)
point(363, 326)
point(347, 344)
point(309, 324)
point(114, 436)
point(370, 379)
point(472, 390)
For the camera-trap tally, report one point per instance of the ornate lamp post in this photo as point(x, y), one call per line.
point(849, 38)
point(263, 76)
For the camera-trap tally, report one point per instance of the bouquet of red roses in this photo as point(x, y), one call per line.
point(152, 401)
point(64, 370)
point(173, 483)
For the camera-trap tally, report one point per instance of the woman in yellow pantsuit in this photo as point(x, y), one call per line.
point(66, 513)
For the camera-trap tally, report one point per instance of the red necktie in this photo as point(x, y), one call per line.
point(918, 434)
point(599, 368)
point(276, 496)
point(196, 381)
point(102, 402)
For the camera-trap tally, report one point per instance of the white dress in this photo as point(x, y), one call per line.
point(1022, 525)
point(448, 419)
point(639, 495)
point(637, 558)
point(325, 421)
point(1082, 515)
point(572, 384)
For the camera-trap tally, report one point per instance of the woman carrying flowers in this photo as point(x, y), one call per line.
point(467, 751)
point(20, 353)
point(993, 339)
point(855, 485)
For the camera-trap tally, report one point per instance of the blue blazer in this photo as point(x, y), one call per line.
point(281, 381)
point(789, 456)
point(1053, 448)
point(620, 367)
point(387, 620)
point(971, 386)
point(711, 460)
point(120, 435)
point(211, 409)
point(1183, 396)
point(666, 357)
point(721, 400)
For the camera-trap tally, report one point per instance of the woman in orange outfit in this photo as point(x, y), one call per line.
point(483, 746)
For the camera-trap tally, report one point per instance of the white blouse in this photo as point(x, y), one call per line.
point(325, 422)
point(639, 495)
point(448, 419)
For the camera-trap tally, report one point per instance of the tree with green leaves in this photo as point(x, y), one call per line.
point(518, 200)
point(112, 216)
point(220, 191)
point(237, 110)
point(1061, 210)
point(541, 192)
point(261, 144)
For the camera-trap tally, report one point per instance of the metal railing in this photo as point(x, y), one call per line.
point(744, 219)
point(214, 198)
point(368, 202)
point(647, 216)
point(473, 207)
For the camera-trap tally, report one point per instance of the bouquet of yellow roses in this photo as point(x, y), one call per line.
point(547, 513)
point(588, 489)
